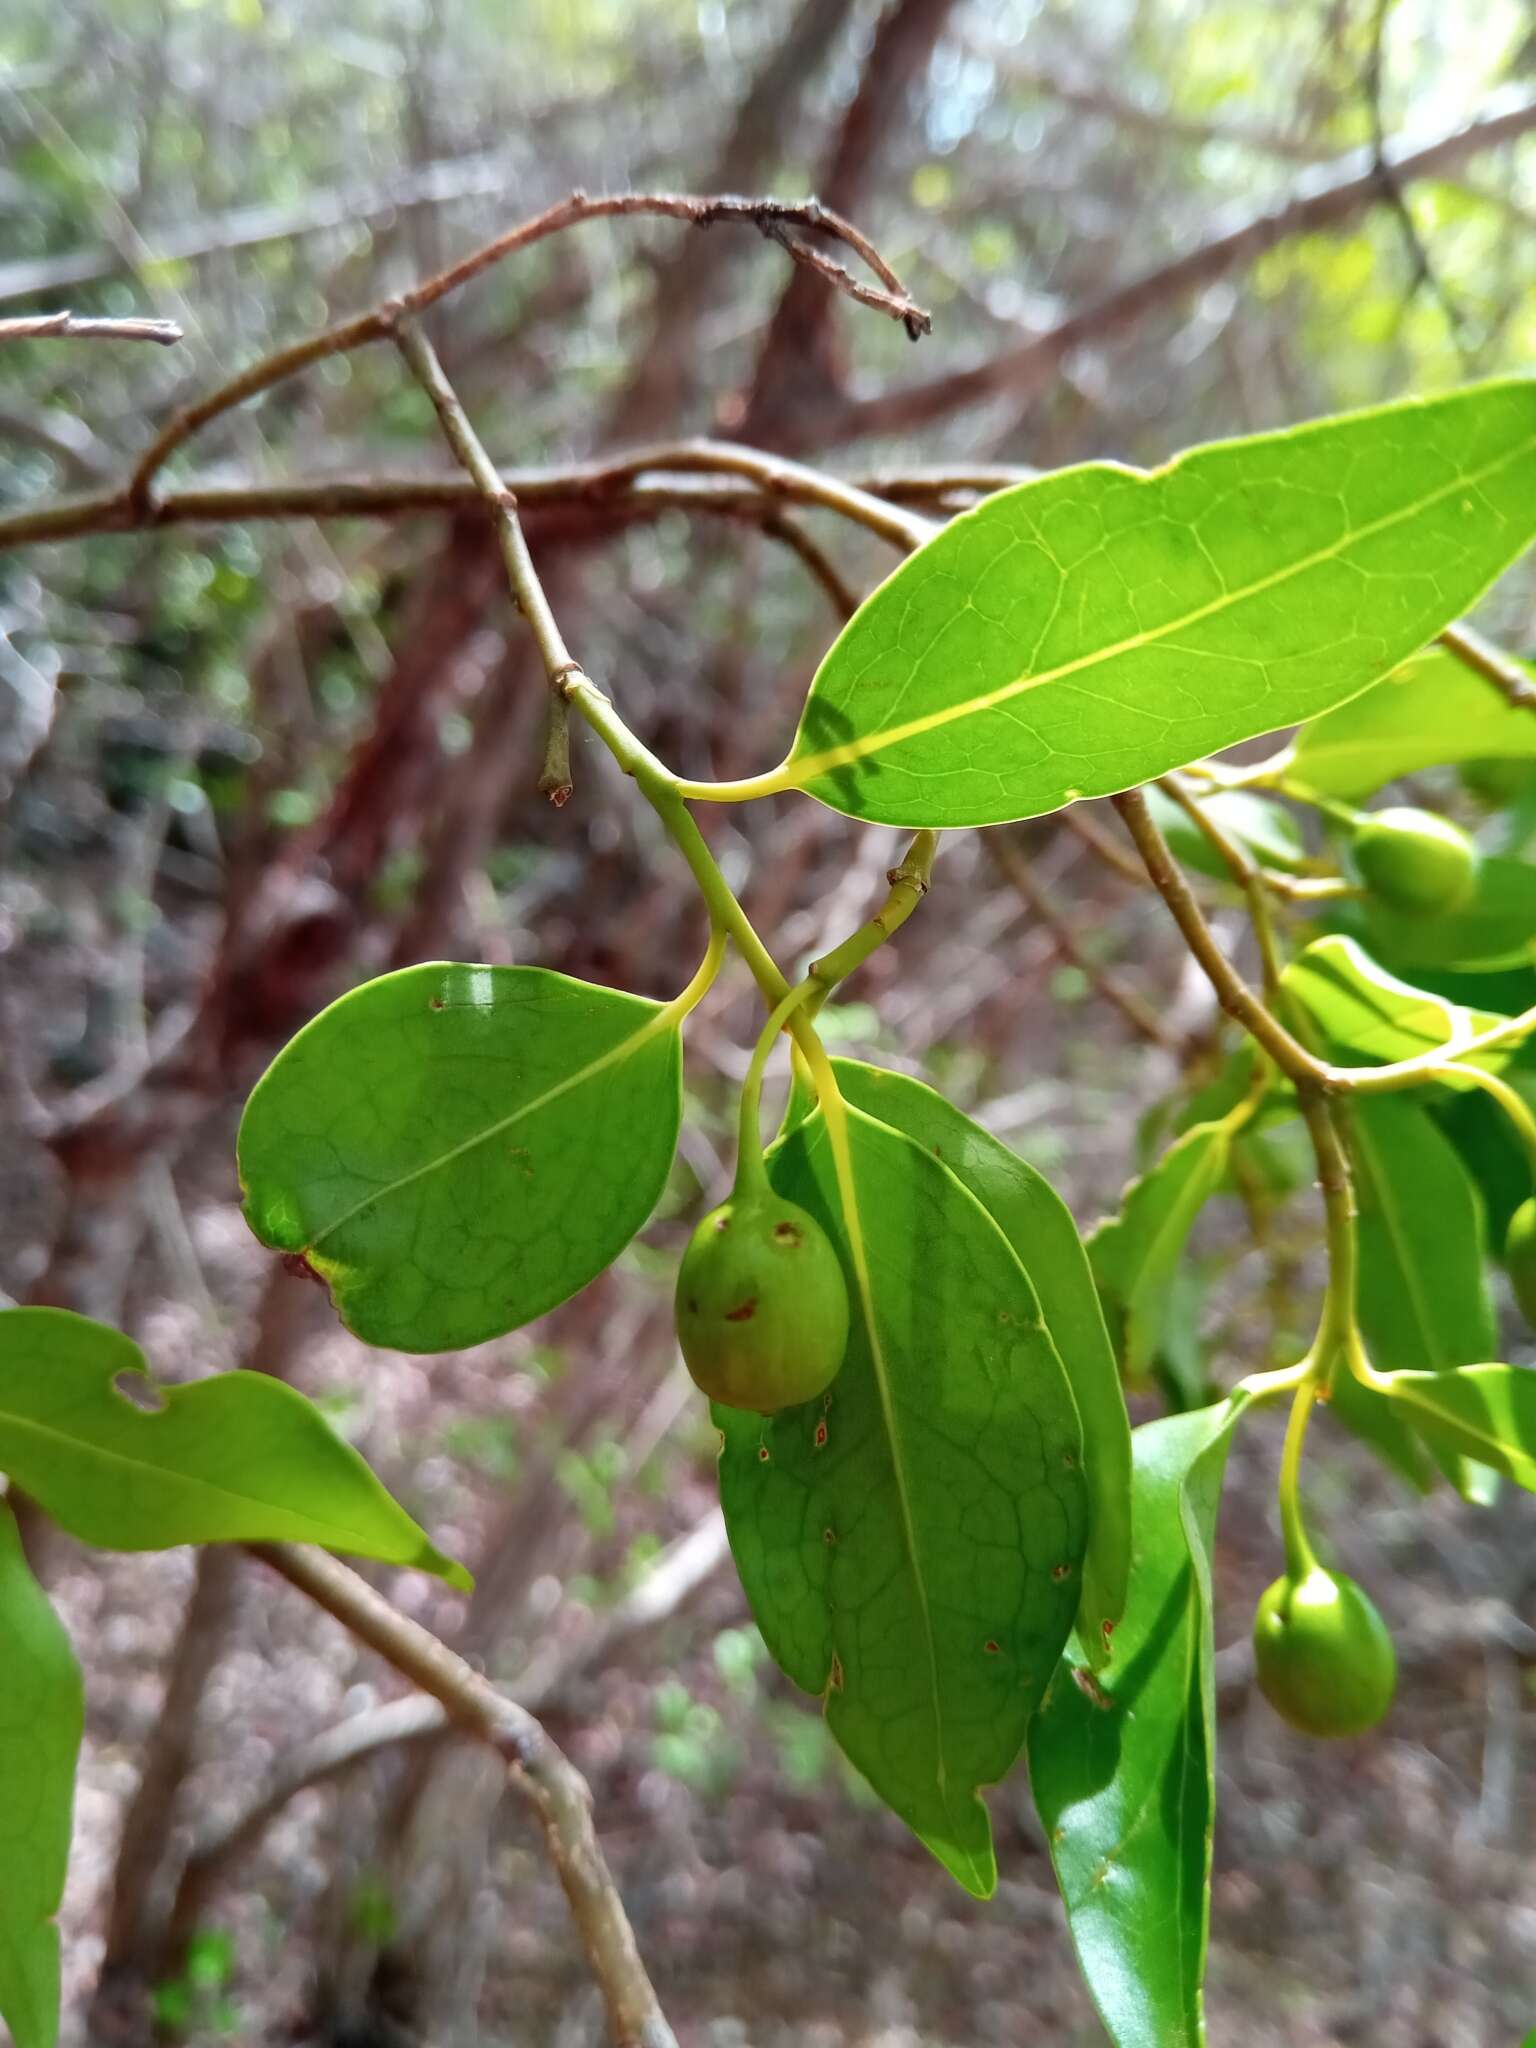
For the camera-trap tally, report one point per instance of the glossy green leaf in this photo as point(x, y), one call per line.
point(1135, 1255)
point(1265, 828)
point(238, 1457)
point(1371, 1417)
point(1039, 1227)
point(1089, 630)
point(1483, 1412)
point(1433, 709)
point(1494, 929)
point(1422, 1295)
point(457, 1149)
point(1369, 1017)
point(1122, 1763)
point(912, 1543)
point(41, 1711)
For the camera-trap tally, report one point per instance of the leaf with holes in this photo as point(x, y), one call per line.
point(237, 1458)
point(457, 1149)
point(1122, 1762)
point(1039, 1227)
point(1136, 1254)
point(912, 1543)
point(1089, 630)
point(40, 1720)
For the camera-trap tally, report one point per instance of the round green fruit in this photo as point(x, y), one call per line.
point(1325, 1659)
point(1412, 861)
point(762, 1306)
point(1520, 1257)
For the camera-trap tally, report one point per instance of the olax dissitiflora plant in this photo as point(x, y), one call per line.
point(948, 1534)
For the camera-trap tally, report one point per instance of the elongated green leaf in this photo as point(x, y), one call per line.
point(1096, 627)
point(40, 1722)
point(1122, 1764)
point(912, 1543)
point(1433, 709)
point(1422, 1296)
point(1495, 928)
point(235, 1458)
point(1039, 1227)
point(1483, 1412)
point(1265, 828)
point(1371, 1417)
point(1370, 1018)
point(1136, 1254)
point(457, 1149)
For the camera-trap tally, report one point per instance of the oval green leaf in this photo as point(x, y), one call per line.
point(1135, 1255)
point(1089, 630)
point(1122, 1763)
point(1434, 709)
point(39, 1743)
point(1422, 1293)
point(911, 1544)
point(457, 1149)
point(1494, 929)
point(1039, 1227)
point(1369, 1017)
point(1483, 1412)
point(238, 1458)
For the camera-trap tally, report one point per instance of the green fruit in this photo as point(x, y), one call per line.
point(1520, 1257)
point(1325, 1659)
point(762, 1306)
point(1412, 861)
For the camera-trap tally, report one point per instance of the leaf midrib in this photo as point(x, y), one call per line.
point(139, 1466)
point(799, 770)
point(624, 1049)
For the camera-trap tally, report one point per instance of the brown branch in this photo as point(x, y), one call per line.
point(777, 219)
point(1506, 676)
point(538, 1770)
point(87, 327)
point(1019, 372)
point(1013, 865)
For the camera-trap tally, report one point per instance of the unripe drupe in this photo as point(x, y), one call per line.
point(1413, 861)
point(762, 1306)
point(1323, 1654)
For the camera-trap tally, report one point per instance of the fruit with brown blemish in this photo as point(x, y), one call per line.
point(762, 1305)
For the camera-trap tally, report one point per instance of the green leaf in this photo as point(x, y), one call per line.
point(1094, 628)
point(1135, 1255)
point(1494, 929)
point(1422, 1294)
point(1371, 1417)
point(237, 1458)
point(1371, 1018)
point(1432, 710)
point(912, 1543)
point(1122, 1764)
point(39, 1742)
point(1266, 829)
point(1039, 1227)
point(1482, 1412)
point(457, 1149)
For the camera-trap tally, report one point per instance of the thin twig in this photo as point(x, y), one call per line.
point(537, 1769)
point(774, 218)
point(1506, 676)
point(87, 327)
point(1012, 864)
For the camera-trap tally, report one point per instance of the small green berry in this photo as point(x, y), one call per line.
point(1413, 861)
point(1324, 1656)
point(762, 1305)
